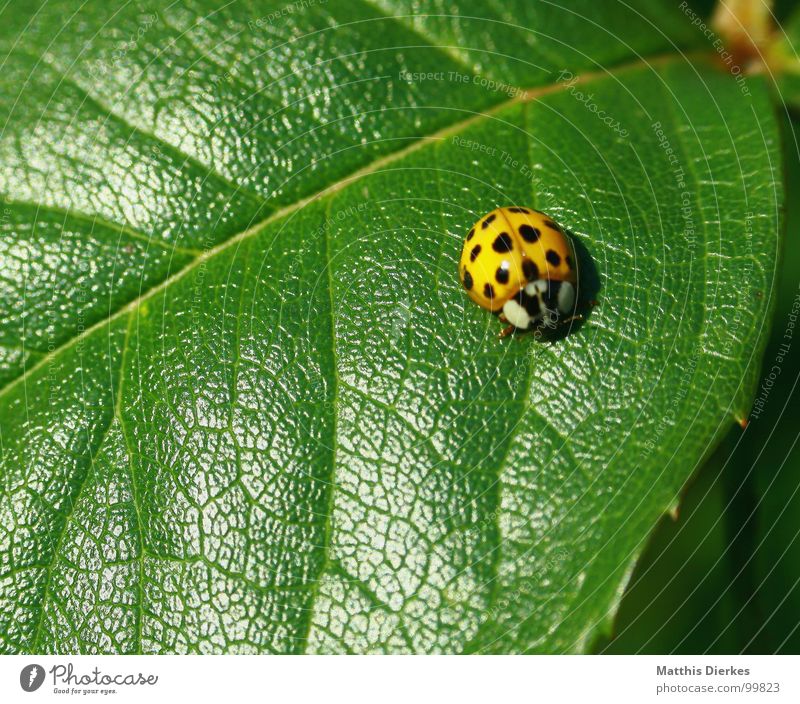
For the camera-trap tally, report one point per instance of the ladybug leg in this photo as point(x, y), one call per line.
point(577, 316)
point(506, 331)
point(572, 319)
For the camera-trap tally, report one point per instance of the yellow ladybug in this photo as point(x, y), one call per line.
point(519, 263)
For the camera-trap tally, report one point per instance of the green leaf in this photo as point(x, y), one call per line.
point(248, 406)
point(723, 577)
point(771, 457)
point(681, 597)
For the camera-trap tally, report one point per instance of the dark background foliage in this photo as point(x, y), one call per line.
point(724, 577)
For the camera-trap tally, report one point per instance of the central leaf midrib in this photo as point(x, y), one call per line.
point(455, 127)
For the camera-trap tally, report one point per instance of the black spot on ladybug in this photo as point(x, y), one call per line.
point(529, 234)
point(488, 221)
point(519, 210)
point(476, 250)
point(501, 275)
point(471, 233)
point(553, 257)
point(503, 243)
point(488, 291)
point(529, 303)
point(568, 260)
point(467, 280)
point(552, 225)
point(530, 270)
point(551, 295)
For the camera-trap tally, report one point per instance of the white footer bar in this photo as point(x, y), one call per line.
point(400, 679)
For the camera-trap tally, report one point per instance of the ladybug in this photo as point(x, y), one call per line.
point(519, 263)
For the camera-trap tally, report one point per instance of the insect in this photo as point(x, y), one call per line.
point(519, 263)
